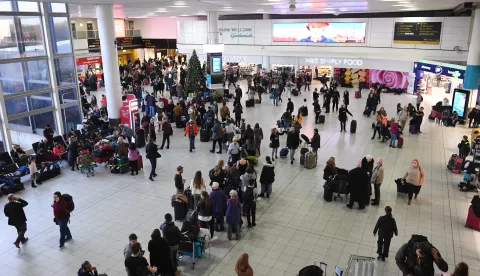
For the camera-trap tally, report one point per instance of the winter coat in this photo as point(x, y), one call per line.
point(72, 152)
point(386, 226)
point(217, 131)
point(171, 233)
point(293, 140)
point(160, 255)
point(358, 185)
point(233, 211)
point(258, 136)
point(15, 213)
point(245, 178)
point(315, 142)
point(342, 114)
point(267, 176)
point(224, 112)
point(219, 199)
point(329, 171)
point(150, 150)
point(274, 140)
point(367, 166)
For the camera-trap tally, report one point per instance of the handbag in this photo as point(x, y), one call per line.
point(157, 155)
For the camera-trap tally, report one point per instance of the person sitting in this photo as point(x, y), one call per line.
point(60, 151)
point(452, 120)
point(16, 152)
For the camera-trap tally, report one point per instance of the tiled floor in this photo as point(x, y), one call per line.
point(295, 226)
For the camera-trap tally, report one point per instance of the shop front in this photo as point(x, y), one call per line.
point(91, 63)
point(439, 79)
point(247, 65)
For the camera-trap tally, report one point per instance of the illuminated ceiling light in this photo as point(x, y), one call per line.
point(403, 5)
point(283, 11)
point(179, 3)
point(178, 6)
point(404, 2)
point(228, 7)
point(343, 10)
point(274, 0)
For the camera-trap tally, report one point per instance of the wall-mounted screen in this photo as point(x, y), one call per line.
point(321, 32)
point(460, 102)
point(417, 33)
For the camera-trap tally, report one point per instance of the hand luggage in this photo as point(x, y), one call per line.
point(313, 270)
point(400, 142)
point(451, 161)
point(401, 186)
point(357, 95)
point(302, 159)
point(99, 85)
point(327, 192)
point(457, 167)
point(353, 126)
point(122, 165)
point(294, 92)
point(340, 187)
point(321, 119)
point(250, 103)
point(304, 111)
point(412, 129)
point(9, 189)
point(284, 153)
point(310, 160)
point(204, 135)
point(140, 138)
point(180, 210)
point(140, 162)
point(257, 101)
point(367, 111)
point(472, 220)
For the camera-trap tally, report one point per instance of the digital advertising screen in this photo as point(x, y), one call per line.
point(460, 102)
point(417, 33)
point(320, 32)
point(216, 65)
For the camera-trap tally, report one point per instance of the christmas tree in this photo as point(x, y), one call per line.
point(195, 74)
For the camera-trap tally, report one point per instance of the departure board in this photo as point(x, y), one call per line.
point(417, 33)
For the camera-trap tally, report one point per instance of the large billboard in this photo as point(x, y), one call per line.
point(417, 33)
point(321, 32)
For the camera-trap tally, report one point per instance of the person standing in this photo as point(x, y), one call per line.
point(238, 110)
point(191, 130)
point(243, 268)
point(167, 132)
point(224, 112)
point(402, 117)
point(233, 215)
point(386, 227)
point(346, 98)
point(48, 134)
point(152, 154)
point(16, 217)
point(258, 137)
point(419, 100)
point(234, 151)
point(275, 142)
point(419, 119)
point(415, 178)
point(342, 117)
point(197, 186)
point(219, 200)
point(358, 187)
point(72, 149)
point(290, 106)
point(335, 99)
point(87, 270)
point(293, 141)
point(173, 237)
point(62, 217)
point(179, 180)
point(160, 254)
point(136, 264)
point(217, 136)
point(394, 132)
point(315, 141)
point(267, 177)
point(376, 180)
point(318, 111)
point(133, 155)
point(205, 212)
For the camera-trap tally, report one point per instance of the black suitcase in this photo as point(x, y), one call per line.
point(204, 135)
point(321, 119)
point(250, 103)
point(401, 186)
point(294, 92)
point(367, 112)
point(340, 187)
point(304, 111)
point(353, 126)
point(226, 93)
point(140, 138)
point(327, 192)
point(9, 189)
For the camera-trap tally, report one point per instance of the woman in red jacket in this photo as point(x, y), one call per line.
point(62, 217)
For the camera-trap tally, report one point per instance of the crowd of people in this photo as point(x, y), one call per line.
point(234, 181)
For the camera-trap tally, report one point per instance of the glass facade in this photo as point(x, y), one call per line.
point(38, 84)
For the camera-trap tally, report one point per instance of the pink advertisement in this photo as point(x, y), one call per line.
point(391, 79)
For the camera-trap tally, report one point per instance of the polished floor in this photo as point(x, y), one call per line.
point(294, 227)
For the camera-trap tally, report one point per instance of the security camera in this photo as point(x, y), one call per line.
point(292, 8)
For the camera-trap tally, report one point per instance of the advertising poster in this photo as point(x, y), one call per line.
point(321, 32)
point(417, 33)
point(460, 102)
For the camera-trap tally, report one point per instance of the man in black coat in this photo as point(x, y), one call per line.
point(293, 140)
point(315, 141)
point(386, 227)
point(358, 187)
point(342, 117)
point(16, 217)
point(173, 237)
point(318, 110)
point(290, 106)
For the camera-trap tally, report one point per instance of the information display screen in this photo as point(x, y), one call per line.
point(417, 33)
point(216, 65)
point(460, 102)
point(320, 32)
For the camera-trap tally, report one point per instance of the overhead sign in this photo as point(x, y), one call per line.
point(129, 42)
point(439, 70)
point(417, 33)
point(160, 43)
point(238, 32)
point(348, 62)
point(88, 60)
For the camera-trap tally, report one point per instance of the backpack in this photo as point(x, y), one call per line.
point(70, 204)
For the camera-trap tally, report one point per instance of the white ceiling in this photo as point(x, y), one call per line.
point(162, 8)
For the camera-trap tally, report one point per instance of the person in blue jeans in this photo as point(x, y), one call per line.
point(394, 131)
point(62, 217)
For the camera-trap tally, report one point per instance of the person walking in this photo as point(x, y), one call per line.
point(133, 155)
point(275, 142)
point(13, 210)
point(217, 136)
point(160, 254)
point(219, 200)
point(243, 268)
point(232, 215)
point(386, 227)
point(258, 137)
point(267, 177)
point(358, 187)
point(151, 150)
point(224, 112)
point(394, 132)
point(62, 217)
point(376, 180)
point(197, 186)
point(238, 110)
point(191, 130)
point(415, 178)
point(32, 166)
point(293, 141)
point(173, 237)
point(167, 132)
point(342, 117)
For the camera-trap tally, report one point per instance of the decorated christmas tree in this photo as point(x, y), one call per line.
point(195, 74)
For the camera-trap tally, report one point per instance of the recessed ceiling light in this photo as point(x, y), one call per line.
point(178, 6)
point(160, 11)
point(179, 3)
point(228, 7)
point(403, 5)
point(404, 2)
point(274, 0)
point(343, 10)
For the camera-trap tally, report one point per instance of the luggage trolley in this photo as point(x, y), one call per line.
point(192, 248)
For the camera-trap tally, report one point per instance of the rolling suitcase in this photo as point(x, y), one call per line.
point(204, 135)
point(304, 111)
point(321, 119)
point(140, 162)
point(327, 192)
point(284, 153)
point(294, 92)
point(367, 111)
point(400, 142)
point(353, 126)
point(472, 220)
point(357, 95)
point(140, 138)
point(310, 160)
point(412, 129)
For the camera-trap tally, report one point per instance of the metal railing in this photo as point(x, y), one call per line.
point(360, 266)
point(94, 34)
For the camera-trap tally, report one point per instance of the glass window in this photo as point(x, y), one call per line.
point(71, 117)
point(27, 41)
point(57, 8)
point(60, 34)
point(25, 104)
point(32, 124)
point(24, 76)
point(6, 6)
point(68, 95)
point(65, 70)
point(24, 6)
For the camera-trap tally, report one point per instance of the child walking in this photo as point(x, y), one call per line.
point(33, 172)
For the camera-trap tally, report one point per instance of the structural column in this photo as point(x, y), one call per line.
point(266, 63)
point(213, 33)
point(108, 48)
point(472, 75)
